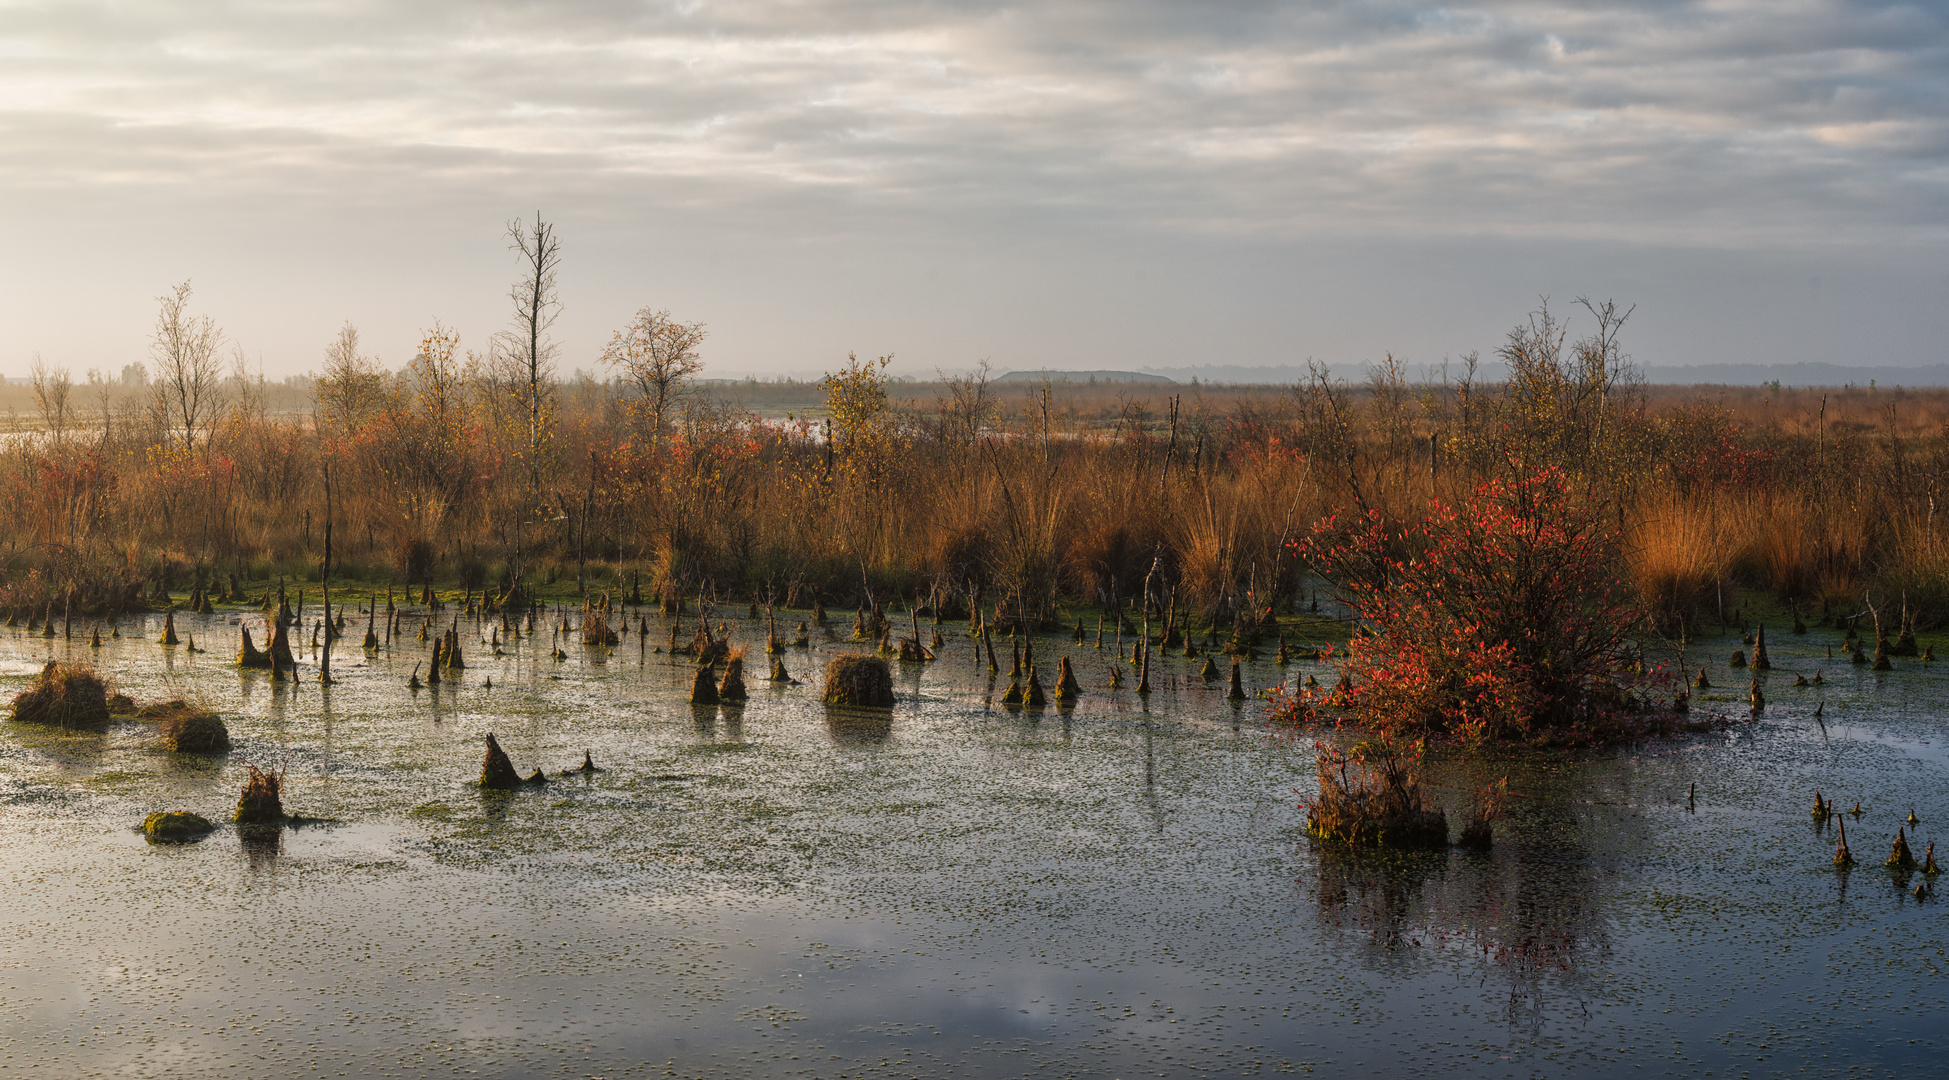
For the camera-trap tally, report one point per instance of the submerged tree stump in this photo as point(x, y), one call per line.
point(703, 688)
point(732, 688)
point(496, 771)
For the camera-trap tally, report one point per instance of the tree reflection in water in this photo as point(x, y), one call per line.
point(1533, 909)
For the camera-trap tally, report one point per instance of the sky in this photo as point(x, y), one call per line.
point(1064, 184)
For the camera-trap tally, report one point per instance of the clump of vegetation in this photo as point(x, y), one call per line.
point(260, 802)
point(187, 728)
point(860, 680)
point(66, 695)
point(1371, 796)
point(174, 826)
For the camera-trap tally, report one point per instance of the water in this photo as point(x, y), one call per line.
point(1122, 889)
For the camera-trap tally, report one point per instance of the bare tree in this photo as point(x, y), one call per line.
point(52, 388)
point(525, 347)
point(660, 354)
point(352, 387)
point(189, 376)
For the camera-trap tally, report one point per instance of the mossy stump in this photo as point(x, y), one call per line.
point(249, 655)
point(169, 629)
point(1899, 856)
point(732, 688)
point(65, 695)
point(1067, 688)
point(859, 680)
point(703, 689)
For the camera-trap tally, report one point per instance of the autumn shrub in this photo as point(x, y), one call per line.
point(1506, 619)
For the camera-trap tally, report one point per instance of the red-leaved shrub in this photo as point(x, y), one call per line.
point(1507, 619)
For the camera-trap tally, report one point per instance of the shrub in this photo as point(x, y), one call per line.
point(1505, 620)
point(66, 695)
point(856, 679)
point(1371, 797)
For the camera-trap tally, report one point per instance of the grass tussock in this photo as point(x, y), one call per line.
point(1371, 796)
point(65, 695)
point(859, 680)
point(188, 728)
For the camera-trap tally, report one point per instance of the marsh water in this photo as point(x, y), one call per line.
point(958, 888)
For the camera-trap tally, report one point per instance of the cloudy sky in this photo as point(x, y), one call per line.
point(1071, 183)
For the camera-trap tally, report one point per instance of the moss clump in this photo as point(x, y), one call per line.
point(260, 802)
point(858, 680)
point(66, 695)
point(171, 826)
point(188, 729)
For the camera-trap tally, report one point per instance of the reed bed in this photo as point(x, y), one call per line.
point(964, 493)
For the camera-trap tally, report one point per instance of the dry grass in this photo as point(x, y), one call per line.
point(188, 728)
point(967, 488)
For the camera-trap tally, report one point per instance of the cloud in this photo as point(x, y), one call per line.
point(1731, 124)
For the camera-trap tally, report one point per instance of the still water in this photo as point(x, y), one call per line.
point(1121, 889)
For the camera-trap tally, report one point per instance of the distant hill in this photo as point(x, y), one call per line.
point(1081, 376)
point(1796, 375)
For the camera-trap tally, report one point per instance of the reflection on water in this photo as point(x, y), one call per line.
point(859, 727)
